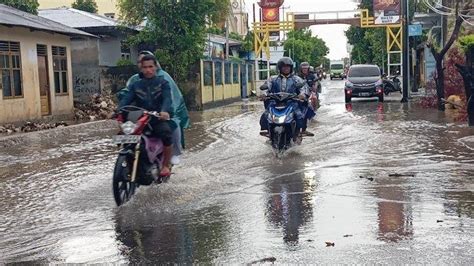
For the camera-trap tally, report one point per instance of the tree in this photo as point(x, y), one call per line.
point(303, 47)
point(85, 5)
point(438, 54)
point(176, 28)
point(30, 6)
point(467, 73)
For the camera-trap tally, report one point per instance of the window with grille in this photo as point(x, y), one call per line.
point(60, 70)
point(10, 70)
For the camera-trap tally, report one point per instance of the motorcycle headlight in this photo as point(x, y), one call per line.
point(279, 119)
point(128, 128)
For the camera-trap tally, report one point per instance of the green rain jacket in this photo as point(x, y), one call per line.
point(181, 116)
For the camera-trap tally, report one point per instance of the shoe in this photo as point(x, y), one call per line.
point(175, 160)
point(165, 172)
point(264, 133)
point(307, 134)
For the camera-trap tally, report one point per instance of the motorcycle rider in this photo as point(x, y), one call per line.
point(311, 80)
point(286, 81)
point(153, 93)
point(181, 117)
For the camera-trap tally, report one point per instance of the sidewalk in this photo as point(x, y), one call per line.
point(44, 135)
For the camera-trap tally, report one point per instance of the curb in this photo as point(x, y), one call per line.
point(44, 135)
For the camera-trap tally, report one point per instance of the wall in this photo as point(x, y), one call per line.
point(29, 107)
point(85, 68)
point(109, 51)
point(211, 93)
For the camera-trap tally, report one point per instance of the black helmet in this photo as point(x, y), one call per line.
point(285, 61)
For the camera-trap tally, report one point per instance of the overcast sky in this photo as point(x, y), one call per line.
point(333, 35)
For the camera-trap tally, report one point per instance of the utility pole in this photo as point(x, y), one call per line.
point(227, 39)
point(405, 53)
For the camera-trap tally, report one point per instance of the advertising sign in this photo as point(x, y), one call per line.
point(387, 11)
point(270, 3)
point(415, 30)
point(271, 14)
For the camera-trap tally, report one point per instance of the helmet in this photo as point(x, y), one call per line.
point(304, 65)
point(285, 61)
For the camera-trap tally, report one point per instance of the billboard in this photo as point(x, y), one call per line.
point(387, 11)
point(270, 3)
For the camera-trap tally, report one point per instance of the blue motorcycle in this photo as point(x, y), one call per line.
point(281, 121)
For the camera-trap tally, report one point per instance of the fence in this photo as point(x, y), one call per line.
point(225, 80)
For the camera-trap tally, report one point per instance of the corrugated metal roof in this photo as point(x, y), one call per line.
point(14, 17)
point(77, 18)
point(221, 39)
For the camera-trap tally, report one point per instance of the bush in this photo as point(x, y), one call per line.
point(124, 62)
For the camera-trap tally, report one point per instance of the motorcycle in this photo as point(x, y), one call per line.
point(140, 158)
point(281, 121)
point(391, 84)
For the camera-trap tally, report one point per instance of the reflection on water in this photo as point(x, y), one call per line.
point(289, 198)
point(180, 237)
point(394, 212)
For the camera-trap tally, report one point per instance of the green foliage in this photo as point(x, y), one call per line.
point(369, 44)
point(248, 43)
point(467, 42)
point(30, 6)
point(306, 48)
point(85, 5)
point(177, 28)
point(124, 62)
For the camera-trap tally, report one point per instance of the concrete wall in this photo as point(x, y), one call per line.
point(85, 68)
point(29, 106)
point(109, 51)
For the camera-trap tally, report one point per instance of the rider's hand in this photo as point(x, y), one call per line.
point(301, 97)
point(164, 116)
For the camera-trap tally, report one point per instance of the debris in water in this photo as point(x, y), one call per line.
point(269, 259)
point(330, 244)
point(347, 235)
point(361, 176)
point(439, 221)
point(401, 175)
point(310, 240)
point(370, 178)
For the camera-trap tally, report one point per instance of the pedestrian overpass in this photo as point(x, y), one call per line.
point(301, 20)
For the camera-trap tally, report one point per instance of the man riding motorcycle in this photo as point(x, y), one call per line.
point(288, 82)
point(311, 80)
point(153, 93)
point(181, 117)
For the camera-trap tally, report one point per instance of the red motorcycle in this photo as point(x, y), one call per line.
point(141, 156)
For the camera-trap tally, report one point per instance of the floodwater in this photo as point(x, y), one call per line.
point(231, 201)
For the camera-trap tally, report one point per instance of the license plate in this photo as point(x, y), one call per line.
point(364, 94)
point(126, 139)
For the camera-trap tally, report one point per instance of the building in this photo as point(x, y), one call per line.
point(35, 66)
point(91, 57)
point(239, 17)
point(105, 7)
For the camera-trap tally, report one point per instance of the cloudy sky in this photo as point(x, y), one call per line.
point(333, 35)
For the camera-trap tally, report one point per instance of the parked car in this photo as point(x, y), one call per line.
point(364, 81)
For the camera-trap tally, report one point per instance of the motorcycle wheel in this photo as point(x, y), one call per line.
point(122, 187)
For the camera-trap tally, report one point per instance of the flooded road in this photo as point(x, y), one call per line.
point(231, 201)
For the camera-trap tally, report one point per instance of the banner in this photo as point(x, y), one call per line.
point(270, 3)
point(387, 11)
